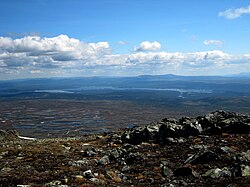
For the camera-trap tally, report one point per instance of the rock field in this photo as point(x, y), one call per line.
point(211, 150)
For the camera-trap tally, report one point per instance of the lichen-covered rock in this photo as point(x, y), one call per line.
point(245, 170)
point(217, 173)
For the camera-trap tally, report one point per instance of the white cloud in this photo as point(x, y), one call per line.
point(148, 46)
point(35, 71)
point(213, 42)
point(50, 51)
point(192, 59)
point(2, 63)
point(235, 13)
point(122, 43)
point(64, 56)
point(99, 45)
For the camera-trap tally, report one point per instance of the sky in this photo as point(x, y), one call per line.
point(69, 38)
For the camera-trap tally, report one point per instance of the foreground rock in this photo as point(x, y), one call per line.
point(212, 150)
point(214, 123)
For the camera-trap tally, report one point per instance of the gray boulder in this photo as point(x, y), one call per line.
point(169, 130)
point(225, 122)
point(138, 135)
point(201, 157)
point(218, 173)
point(192, 129)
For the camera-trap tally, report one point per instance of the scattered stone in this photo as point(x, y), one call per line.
point(90, 152)
point(88, 174)
point(115, 153)
point(125, 168)
point(198, 146)
point(54, 183)
point(165, 168)
point(6, 169)
point(167, 185)
point(217, 173)
point(104, 160)
point(246, 155)
point(97, 181)
point(67, 148)
point(245, 170)
point(134, 157)
point(201, 157)
point(4, 153)
point(79, 163)
point(225, 150)
point(136, 153)
point(166, 171)
point(123, 176)
point(79, 177)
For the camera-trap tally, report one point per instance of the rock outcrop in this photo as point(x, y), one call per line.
point(212, 124)
point(211, 150)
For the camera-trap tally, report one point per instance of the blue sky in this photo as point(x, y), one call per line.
point(43, 38)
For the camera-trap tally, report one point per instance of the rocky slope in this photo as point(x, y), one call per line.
point(207, 150)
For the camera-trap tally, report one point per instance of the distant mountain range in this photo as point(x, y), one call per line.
point(243, 74)
point(236, 83)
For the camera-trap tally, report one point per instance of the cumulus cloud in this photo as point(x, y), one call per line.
point(192, 59)
point(235, 13)
point(34, 56)
point(49, 51)
point(148, 46)
point(100, 45)
point(213, 42)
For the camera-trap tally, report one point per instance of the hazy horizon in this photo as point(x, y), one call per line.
point(241, 74)
point(123, 38)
